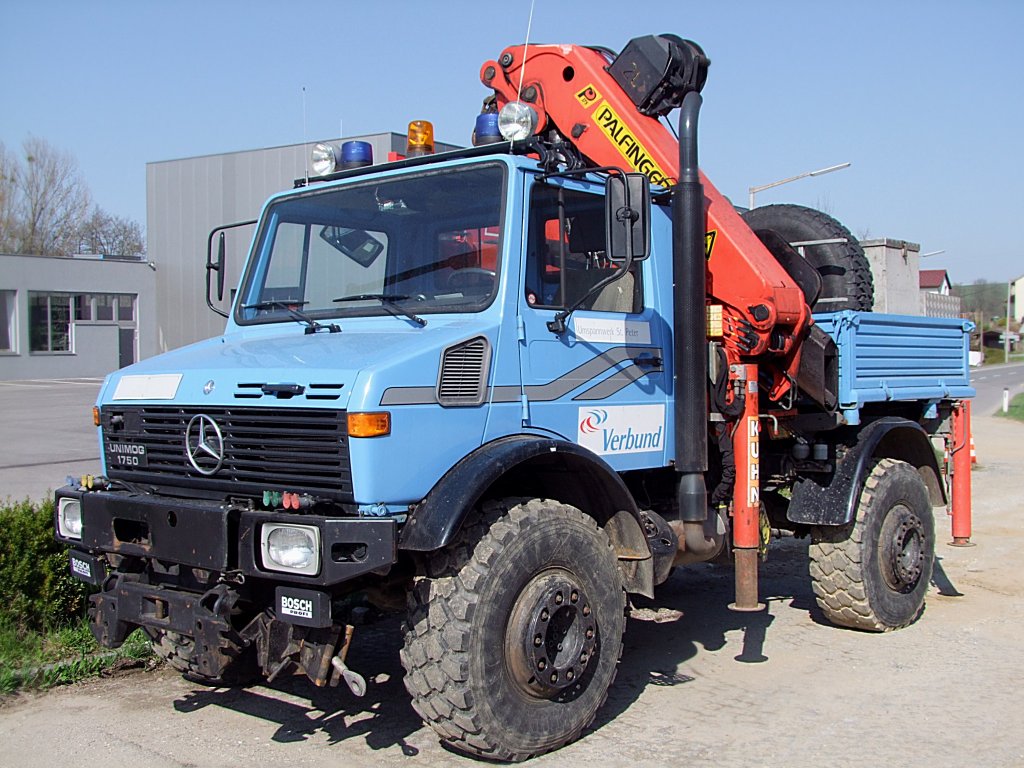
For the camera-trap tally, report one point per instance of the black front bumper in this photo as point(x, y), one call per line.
point(222, 538)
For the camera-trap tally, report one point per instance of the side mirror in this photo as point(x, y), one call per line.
point(627, 217)
point(218, 266)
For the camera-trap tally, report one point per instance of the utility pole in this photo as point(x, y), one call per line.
point(1006, 338)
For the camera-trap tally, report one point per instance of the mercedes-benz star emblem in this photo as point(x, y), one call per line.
point(204, 444)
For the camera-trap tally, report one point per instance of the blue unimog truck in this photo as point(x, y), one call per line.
point(497, 389)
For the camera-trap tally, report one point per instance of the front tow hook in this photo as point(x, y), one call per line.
point(353, 680)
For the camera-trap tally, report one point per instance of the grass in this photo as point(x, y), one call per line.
point(37, 660)
point(1016, 408)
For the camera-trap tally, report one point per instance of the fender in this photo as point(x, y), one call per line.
point(836, 503)
point(436, 519)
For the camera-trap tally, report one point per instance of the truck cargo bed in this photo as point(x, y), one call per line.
point(898, 357)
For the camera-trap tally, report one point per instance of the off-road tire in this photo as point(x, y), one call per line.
point(845, 272)
point(472, 617)
point(176, 649)
point(874, 574)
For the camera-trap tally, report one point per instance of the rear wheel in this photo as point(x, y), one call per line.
point(845, 273)
point(874, 573)
point(514, 635)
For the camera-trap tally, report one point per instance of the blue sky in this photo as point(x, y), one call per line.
point(923, 98)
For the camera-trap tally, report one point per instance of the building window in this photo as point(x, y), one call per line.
point(125, 307)
point(49, 317)
point(105, 307)
point(105, 304)
point(8, 334)
point(83, 307)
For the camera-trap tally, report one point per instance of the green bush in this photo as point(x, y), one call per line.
point(37, 591)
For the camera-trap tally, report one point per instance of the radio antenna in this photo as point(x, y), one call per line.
point(526, 46)
point(305, 145)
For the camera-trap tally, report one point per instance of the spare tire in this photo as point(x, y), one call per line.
point(845, 273)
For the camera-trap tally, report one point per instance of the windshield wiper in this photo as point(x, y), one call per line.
point(388, 301)
point(312, 326)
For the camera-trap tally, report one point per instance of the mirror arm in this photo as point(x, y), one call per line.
point(558, 325)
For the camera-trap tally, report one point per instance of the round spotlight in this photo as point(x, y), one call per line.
point(517, 121)
point(324, 159)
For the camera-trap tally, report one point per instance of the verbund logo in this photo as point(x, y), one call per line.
point(622, 429)
point(593, 420)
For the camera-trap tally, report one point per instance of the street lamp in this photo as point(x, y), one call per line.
point(821, 171)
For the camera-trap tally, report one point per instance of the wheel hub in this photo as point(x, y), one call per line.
point(552, 635)
point(904, 554)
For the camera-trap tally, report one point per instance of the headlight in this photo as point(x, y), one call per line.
point(69, 518)
point(517, 121)
point(324, 159)
point(292, 548)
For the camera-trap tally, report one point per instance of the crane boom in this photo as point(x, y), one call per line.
point(579, 98)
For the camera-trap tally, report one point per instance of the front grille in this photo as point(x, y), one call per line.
point(286, 449)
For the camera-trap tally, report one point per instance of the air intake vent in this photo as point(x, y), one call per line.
point(312, 391)
point(463, 376)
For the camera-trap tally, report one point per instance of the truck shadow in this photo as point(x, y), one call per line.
point(383, 717)
point(690, 615)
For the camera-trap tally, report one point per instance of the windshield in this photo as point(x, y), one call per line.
point(417, 244)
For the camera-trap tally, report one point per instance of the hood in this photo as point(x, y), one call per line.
point(243, 364)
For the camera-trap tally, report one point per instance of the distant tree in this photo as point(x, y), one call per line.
point(52, 200)
point(985, 299)
point(9, 238)
point(111, 235)
point(46, 208)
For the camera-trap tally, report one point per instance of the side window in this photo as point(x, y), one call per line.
point(566, 256)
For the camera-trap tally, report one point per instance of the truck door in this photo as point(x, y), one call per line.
point(602, 382)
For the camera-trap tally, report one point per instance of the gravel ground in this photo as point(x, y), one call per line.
point(698, 685)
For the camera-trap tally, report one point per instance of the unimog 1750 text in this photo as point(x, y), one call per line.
point(508, 387)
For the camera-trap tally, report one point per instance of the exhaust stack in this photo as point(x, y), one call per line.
point(690, 374)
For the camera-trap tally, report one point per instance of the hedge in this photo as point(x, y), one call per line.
point(37, 592)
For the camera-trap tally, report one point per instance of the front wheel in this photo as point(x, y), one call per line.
point(514, 635)
point(874, 573)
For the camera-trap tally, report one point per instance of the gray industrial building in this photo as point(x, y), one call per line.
point(67, 317)
point(187, 198)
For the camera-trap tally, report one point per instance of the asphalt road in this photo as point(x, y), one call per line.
point(46, 434)
point(990, 381)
